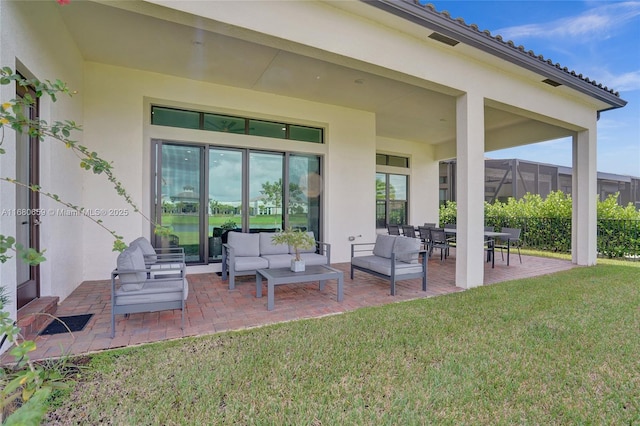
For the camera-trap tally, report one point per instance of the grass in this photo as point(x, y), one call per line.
point(557, 349)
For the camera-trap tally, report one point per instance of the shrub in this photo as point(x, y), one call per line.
point(546, 223)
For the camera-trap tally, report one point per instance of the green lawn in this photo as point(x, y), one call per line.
point(559, 349)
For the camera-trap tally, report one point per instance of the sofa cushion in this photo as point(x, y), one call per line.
point(250, 263)
point(244, 244)
point(383, 266)
point(148, 251)
point(406, 244)
point(268, 247)
point(155, 292)
point(131, 259)
point(362, 261)
point(384, 245)
point(278, 260)
point(305, 250)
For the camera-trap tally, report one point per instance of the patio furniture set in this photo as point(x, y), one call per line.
point(444, 238)
point(149, 279)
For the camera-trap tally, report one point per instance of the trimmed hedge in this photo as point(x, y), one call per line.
point(546, 223)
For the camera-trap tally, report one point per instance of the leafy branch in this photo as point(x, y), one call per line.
point(118, 244)
point(12, 115)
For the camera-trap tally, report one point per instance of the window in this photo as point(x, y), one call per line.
point(392, 160)
point(172, 117)
point(391, 199)
point(391, 190)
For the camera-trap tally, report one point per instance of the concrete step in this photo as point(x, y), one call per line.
point(32, 318)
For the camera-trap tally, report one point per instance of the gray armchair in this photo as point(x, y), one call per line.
point(136, 287)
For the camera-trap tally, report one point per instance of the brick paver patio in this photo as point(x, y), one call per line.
point(212, 307)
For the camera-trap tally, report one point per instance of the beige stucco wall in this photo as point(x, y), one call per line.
point(44, 51)
point(117, 102)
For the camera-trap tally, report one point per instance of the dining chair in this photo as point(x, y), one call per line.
point(490, 248)
point(438, 239)
point(393, 229)
point(506, 242)
point(409, 231)
point(424, 233)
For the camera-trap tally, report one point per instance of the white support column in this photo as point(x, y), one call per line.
point(470, 190)
point(584, 195)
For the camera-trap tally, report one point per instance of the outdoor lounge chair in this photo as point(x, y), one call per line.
point(135, 287)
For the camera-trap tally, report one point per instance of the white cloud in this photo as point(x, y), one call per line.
point(625, 82)
point(596, 22)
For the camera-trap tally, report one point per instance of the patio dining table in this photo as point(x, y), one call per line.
point(487, 234)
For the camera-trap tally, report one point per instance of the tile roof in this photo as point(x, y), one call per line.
point(511, 44)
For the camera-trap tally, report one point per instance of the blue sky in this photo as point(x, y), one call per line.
point(598, 39)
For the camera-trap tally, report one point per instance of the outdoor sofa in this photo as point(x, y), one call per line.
point(392, 258)
point(244, 253)
point(148, 280)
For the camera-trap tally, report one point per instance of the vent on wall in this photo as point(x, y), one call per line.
point(552, 83)
point(443, 39)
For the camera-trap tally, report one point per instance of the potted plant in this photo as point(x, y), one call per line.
point(298, 240)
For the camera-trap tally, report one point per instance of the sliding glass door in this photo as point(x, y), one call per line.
point(181, 189)
point(225, 211)
point(303, 197)
point(203, 192)
point(265, 192)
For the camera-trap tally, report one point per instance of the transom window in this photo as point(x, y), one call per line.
point(392, 160)
point(173, 117)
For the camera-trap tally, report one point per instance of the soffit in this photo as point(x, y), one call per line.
point(405, 108)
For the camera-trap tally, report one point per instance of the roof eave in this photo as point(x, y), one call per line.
point(458, 30)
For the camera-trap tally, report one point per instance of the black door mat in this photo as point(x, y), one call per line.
point(74, 322)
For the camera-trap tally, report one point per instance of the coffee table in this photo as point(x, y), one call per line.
point(279, 276)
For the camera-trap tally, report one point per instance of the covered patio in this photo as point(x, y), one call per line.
point(212, 307)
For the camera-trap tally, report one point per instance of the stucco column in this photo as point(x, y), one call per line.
point(584, 195)
point(470, 190)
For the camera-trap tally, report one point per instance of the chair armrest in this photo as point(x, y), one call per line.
point(169, 250)
point(177, 268)
point(152, 259)
point(358, 248)
point(228, 251)
point(228, 258)
point(325, 249)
